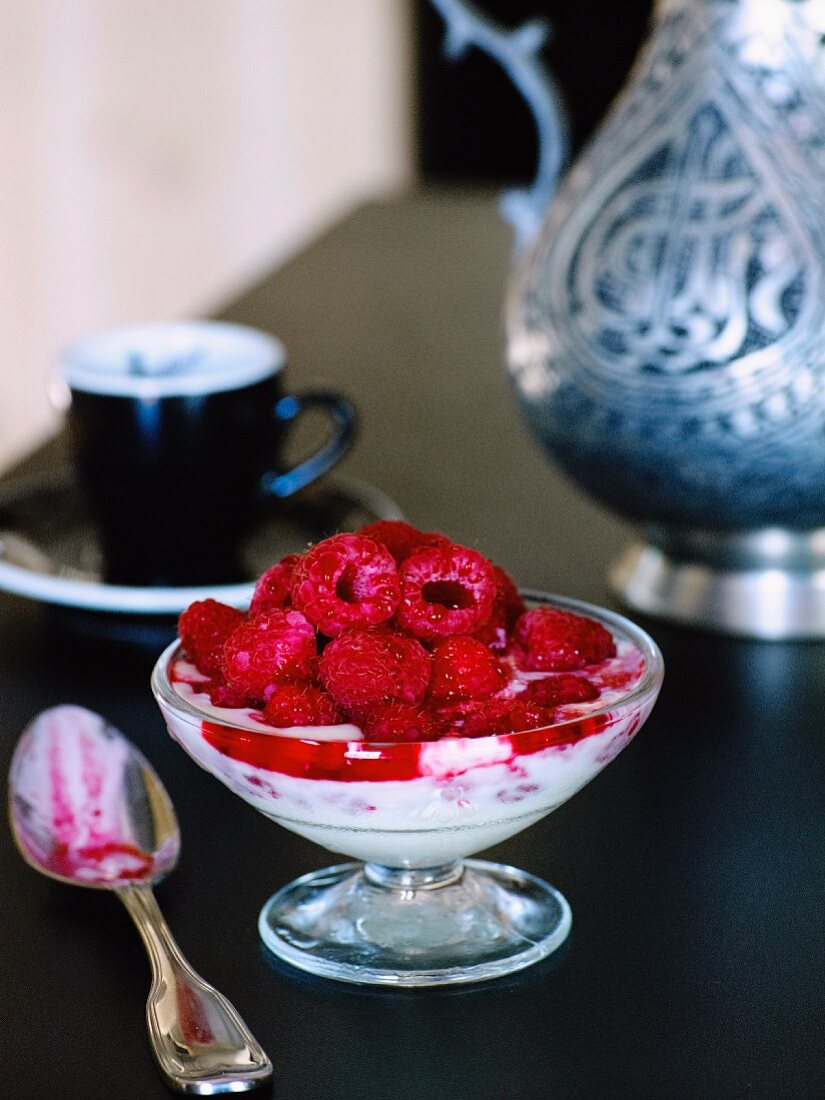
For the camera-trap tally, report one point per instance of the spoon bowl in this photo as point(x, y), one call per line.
point(85, 805)
point(86, 808)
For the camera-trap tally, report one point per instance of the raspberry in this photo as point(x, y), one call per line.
point(496, 716)
point(274, 586)
point(558, 641)
point(274, 647)
point(402, 722)
point(507, 606)
point(464, 668)
point(558, 691)
point(401, 539)
point(301, 705)
point(364, 668)
point(203, 628)
point(222, 695)
point(445, 590)
point(345, 581)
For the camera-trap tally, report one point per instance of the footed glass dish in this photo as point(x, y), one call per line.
point(416, 910)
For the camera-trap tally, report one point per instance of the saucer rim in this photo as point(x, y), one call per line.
point(90, 595)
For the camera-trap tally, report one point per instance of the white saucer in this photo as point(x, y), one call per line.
point(50, 551)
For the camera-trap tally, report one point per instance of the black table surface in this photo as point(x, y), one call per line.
point(693, 864)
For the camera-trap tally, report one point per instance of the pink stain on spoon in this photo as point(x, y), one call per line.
point(70, 779)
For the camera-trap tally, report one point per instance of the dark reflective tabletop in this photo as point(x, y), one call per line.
point(693, 864)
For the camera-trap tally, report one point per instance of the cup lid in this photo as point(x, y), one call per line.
point(171, 358)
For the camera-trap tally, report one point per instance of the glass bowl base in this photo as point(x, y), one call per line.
point(464, 922)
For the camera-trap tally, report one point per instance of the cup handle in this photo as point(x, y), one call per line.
point(344, 419)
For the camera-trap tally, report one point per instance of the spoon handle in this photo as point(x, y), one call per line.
point(201, 1044)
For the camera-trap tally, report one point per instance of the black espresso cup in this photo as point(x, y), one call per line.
point(178, 432)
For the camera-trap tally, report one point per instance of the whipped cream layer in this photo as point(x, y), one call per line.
point(411, 805)
point(469, 793)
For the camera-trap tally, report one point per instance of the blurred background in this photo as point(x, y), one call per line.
point(156, 156)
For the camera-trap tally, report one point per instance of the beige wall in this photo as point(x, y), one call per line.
point(155, 154)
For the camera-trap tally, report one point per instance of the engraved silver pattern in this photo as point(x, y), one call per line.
point(667, 333)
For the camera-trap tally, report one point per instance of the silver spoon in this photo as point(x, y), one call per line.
point(87, 808)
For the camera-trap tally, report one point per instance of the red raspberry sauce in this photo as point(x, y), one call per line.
point(360, 762)
point(67, 858)
point(68, 862)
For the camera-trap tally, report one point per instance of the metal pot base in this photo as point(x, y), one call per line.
point(767, 584)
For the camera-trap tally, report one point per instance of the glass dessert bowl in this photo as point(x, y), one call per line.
point(416, 911)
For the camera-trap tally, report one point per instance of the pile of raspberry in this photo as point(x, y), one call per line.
point(401, 632)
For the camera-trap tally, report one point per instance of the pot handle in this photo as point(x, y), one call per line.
point(517, 51)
